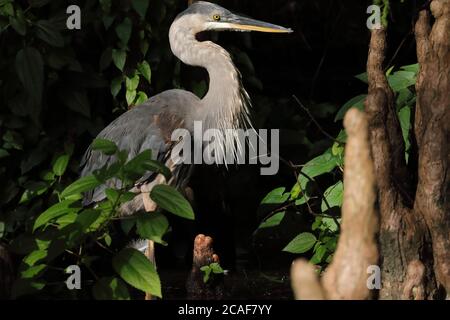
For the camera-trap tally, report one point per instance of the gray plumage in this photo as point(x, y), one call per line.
point(225, 106)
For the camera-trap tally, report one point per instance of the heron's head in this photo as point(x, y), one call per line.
point(206, 16)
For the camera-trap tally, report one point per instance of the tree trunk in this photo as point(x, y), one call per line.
point(414, 228)
point(414, 217)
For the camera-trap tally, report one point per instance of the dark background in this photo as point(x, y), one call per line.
point(317, 63)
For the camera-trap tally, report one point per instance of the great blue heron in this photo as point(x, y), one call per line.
point(150, 125)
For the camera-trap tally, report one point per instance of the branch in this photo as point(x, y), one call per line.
point(305, 282)
point(386, 139)
point(346, 277)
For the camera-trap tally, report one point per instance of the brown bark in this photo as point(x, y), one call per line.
point(432, 132)
point(403, 233)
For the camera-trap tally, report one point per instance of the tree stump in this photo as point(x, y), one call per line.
point(197, 288)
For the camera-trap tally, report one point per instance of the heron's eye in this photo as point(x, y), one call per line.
point(216, 17)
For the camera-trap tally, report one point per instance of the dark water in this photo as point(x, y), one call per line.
point(241, 285)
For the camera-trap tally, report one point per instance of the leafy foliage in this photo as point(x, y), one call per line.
point(58, 88)
point(307, 195)
point(210, 271)
point(69, 231)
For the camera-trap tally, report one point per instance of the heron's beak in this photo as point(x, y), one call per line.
point(238, 23)
point(246, 24)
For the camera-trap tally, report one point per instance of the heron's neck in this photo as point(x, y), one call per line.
point(225, 104)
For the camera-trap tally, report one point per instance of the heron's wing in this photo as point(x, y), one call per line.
point(145, 127)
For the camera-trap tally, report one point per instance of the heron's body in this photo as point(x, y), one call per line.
point(225, 106)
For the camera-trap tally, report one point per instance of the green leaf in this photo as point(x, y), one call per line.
point(213, 268)
point(123, 31)
point(411, 68)
point(171, 200)
point(127, 225)
point(152, 226)
point(330, 224)
point(33, 189)
point(18, 25)
point(81, 185)
point(91, 220)
point(55, 211)
point(110, 288)
point(119, 58)
point(140, 6)
point(362, 77)
point(7, 9)
point(324, 163)
point(33, 271)
point(332, 244)
point(2, 229)
point(3, 153)
point(404, 116)
point(302, 243)
point(132, 83)
point(144, 47)
point(216, 268)
point(137, 270)
point(276, 196)
point(60, 165)
point(404, 98)
point(206, 273)
point(116, 85)
point(389, 71)
point(356, 102)
point(141, 98)
point(130, 96)
point(107, 239)
point(105, 146)
point(112, 195)
point(318, 254)
point(145, 70)
point(401, 80)
point(30, 70)
point(35, 256)
point(273, 221)
point(66, 219)
point(47, 32)
point(333, 195)
point(143, 163)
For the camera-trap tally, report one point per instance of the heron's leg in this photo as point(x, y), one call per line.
point(150, 206)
